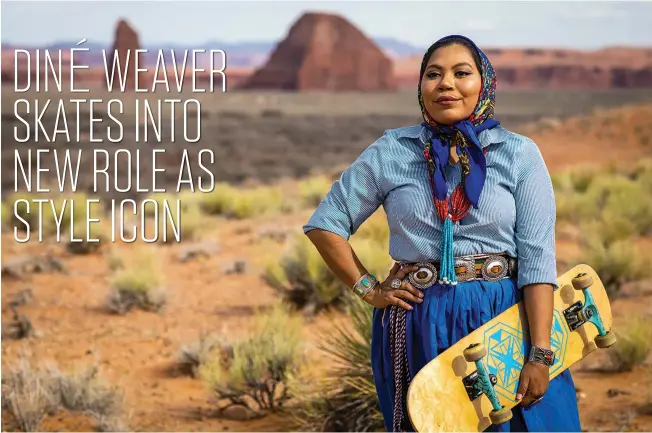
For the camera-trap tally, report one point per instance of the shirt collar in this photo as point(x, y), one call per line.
point(486, 137)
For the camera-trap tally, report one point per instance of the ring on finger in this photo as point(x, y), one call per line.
point(536, 401)
point(396, 284)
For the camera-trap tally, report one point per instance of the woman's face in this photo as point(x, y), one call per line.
point(451, 84)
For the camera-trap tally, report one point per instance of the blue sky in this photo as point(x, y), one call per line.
point(575, 24)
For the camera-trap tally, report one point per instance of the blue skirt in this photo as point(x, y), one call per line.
point(446, 315)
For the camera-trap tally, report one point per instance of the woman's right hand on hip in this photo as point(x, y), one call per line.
point(395, 290)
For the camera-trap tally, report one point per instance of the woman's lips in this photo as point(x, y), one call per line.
point(447, 100)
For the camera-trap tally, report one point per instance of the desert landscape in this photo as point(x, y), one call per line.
point(240, 326)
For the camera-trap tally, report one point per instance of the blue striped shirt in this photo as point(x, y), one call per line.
point(516, 213)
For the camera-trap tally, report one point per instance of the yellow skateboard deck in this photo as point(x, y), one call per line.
point(454, 391)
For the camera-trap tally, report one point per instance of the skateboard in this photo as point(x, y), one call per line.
point(473, 384)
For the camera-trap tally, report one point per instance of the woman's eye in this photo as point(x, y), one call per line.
point(433, 74)
point(462, 74)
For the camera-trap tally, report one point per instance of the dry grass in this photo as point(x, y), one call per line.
point(257, 374)
point(201, 351)
point(137, 281)
point(345, 399)
point(30, 394)
point(241, 203)
point(303, 279)
point(313, 189)
point(633, 345)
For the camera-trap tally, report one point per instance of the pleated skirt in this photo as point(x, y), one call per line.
point(447, 314)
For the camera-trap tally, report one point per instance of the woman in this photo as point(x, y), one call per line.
point(471, 212)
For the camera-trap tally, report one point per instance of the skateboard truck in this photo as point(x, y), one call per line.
point(481, 382)
point(578, 314)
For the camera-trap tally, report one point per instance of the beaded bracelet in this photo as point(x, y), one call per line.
point(364, 285)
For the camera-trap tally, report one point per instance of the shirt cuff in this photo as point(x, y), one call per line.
point(539, 270)
point(331, 219)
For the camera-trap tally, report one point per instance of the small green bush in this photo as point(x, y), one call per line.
point(137, 282)
point(313, 190)
point(303, 279)
point(616, 263)
point(258, 373)
point(633, 345)
point(242, 203)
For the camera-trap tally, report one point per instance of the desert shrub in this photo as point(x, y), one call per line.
point(581, 178)
point(199, 352)
point(257, 374)
point(623, 197)
point(313, 190)
point(241, 203)
point(30, 394)
point(303, 279)
point(633, 345)
point(82, 245)
point(617, 194)
point(18, 328)
point(616, 262)
point(346, 400)
point(137, 282)
point(190, 225)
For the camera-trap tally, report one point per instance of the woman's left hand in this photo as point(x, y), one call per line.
point(533, 383)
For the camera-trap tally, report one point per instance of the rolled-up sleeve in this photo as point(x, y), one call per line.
point(535, 218)
point(355, 196)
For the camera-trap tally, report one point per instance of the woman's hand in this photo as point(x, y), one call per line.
point(533, 383)
point(384, 295)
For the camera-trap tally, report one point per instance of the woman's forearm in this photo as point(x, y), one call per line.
point(538, 300)
point(338, 255)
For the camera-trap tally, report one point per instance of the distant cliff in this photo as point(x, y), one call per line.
point(304, 61)
point(615, 67)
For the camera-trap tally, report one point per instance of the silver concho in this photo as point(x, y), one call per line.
point(424, 276)
point(494, 268)
point(469, 269)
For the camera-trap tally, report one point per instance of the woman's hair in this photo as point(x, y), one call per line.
point(450, 40)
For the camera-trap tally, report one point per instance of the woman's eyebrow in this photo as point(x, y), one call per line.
point(434, 65)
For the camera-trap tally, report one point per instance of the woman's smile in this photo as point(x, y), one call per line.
point(447, 100)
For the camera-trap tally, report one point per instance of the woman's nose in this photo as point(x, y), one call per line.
point(445, 83)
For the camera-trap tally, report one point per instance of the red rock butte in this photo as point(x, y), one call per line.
point(325, 52)
point(125, 44)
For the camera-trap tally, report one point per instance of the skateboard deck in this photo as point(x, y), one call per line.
point(473, 384)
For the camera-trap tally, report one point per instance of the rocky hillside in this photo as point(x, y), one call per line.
point(299, 60)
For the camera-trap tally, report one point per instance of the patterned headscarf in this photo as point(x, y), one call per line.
point(465, 132)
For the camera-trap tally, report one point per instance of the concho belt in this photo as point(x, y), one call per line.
point(487, 267)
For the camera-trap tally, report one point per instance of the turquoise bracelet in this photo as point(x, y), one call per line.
point(364, 285)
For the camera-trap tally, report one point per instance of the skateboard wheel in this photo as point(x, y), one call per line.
point(604, 341)
point(475, 352)
point(582, 281)
point(500, 416)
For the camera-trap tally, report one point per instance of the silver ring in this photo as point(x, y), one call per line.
point(396, 284)
point(536, 401)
